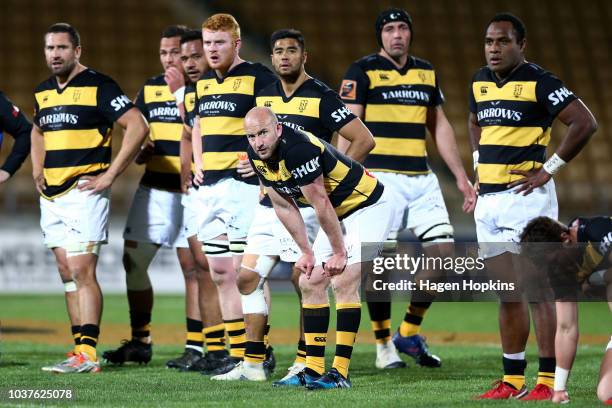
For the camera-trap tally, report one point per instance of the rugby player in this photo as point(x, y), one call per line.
point(157, 217)
point(71, 162)
point(399, 97)
point(303, 103)
point(513, 104)
point(351, 207)
point(228, 191)
point(194, 64)
point(593, 265)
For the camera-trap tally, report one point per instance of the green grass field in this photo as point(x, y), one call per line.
point(467, 369)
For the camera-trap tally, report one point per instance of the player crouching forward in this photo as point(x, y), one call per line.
point(351, 207)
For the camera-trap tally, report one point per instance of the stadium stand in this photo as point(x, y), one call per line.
point(565, 37)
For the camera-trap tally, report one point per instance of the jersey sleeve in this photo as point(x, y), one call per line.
point(438, 96)
point(264, 78)
point(354, 87)
point(303, 161)
point(472, 101)
point(140, 103)
point(13, 121)
point(112, 102)
point(333, 112)
point(553, 94)
point(190, 104)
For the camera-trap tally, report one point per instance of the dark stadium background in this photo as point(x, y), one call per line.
point(120, 38)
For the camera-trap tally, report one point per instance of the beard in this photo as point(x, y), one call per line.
point(291, 77)
point(64, 70)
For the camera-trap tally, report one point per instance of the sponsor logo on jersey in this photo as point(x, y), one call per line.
point(120, 102)
point(217, 106)
point(348, 89)
point(406, 94)
point(56, 118)
point(500, 113)
point(340, 114)
point(559, 95)
point(309, 167)
point(292, 125)
point(164, 111)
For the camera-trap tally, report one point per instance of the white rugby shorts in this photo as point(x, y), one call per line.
point(501, 217)
point(156, 216)
point(417, 200)
point(75, 217)
point(369, 225)
point(228, 202)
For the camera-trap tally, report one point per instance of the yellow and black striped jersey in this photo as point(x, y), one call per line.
point(158, 106)
point(313, 107)
point(301, 157)
point(222, 104)
point(190, 103)
point(515, 115)
point(596, 233)
point(395, 105)
point(77, 122)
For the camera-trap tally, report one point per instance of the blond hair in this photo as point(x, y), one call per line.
point(222, 22)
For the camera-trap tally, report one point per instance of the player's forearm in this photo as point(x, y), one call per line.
point(37, 152)
point(566, 335)
point(447, 146)
point(328, 220)
point(294, 223)
point(360, 140)
point(474, 132)
point(196, 143)
point(577, 136)
point(289, 215)
point(20, 151)
point(186, 149)
point(133, 137)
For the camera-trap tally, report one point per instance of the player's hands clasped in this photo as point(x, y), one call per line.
point(306, 263)
point(335, 265)
point(532, 179)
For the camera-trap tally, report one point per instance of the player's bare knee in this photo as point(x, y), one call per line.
point(247, 281)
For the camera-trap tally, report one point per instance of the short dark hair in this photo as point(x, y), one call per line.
point(287, 33)
point(191, 35)
point(75, 38)
point(517, 24)
point(543, 229)
point(173, 31)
